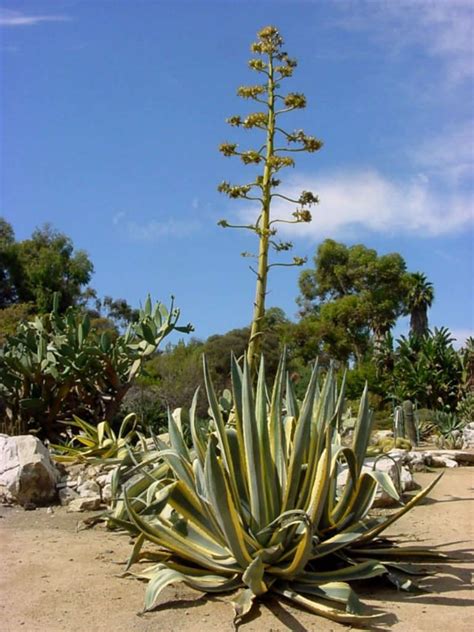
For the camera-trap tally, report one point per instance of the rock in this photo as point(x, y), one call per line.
point(468, 436)
point(462, 457)
point(66, 495)
point(105, 478)
point(92, 472)
point(107, 493)
point(415, 461)
point(440, 460)
point(408, 483)
point(399, 474)
point(380, 435)
point(91, 503)
point(88, 488)
point(27, 474)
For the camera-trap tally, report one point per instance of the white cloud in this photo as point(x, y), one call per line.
point(354, 201)
point(448, 155)
point(442, 29)
point(15, 18)
point(118, 217)
point(460, 336)
point(155, 230)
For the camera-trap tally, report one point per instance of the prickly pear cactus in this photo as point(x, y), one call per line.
point(57, 366)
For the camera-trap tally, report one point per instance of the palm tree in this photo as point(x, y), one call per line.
point(419, 298)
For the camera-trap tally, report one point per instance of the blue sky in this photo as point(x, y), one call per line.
point(112, 112)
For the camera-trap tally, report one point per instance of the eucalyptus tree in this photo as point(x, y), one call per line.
point(420, 297)
point(356, 290)
point(32, 270)
point(274, 65)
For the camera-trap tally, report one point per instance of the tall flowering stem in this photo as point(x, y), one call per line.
point(274, 65)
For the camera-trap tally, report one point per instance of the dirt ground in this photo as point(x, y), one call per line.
point(55, 579)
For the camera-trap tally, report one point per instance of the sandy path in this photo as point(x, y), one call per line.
point(54, 579)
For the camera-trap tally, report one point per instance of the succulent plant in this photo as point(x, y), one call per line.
point(449, 429)
point(254, 504)
point(57, 366)
point(97, 443)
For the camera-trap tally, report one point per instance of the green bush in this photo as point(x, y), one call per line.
point(465, 409)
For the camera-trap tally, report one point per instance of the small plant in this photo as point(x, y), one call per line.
point(255, 505)
point(387, 445)
point(97, 443)
point(449, 429)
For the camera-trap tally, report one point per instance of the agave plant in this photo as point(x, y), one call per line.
point(255, 504)
point(449, 429)
point(138, 475)
point(97, 443)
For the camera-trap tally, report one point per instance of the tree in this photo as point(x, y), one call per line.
point(420, 297)
point(175, 375)
point(8, 263)
point(275, 65)
point(31, 271)
point(120, 311)
point(428, 370)
point(355, 289)
point(177, 372)
point(49, 264)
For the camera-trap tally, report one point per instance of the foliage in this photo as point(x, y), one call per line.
point(273, 155)
point(467, 362)
point(255, 503)
point(176, 373)
point(465, 409)
point(358, 376)
point(10, 317)
point(144, 400)
point(96, 443)
point(353, 291)
point(56, 366)
point(428, 370)
point(31, 271)
point(117, 312)
point(8, 293)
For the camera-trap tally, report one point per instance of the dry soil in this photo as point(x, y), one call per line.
point(54, 578)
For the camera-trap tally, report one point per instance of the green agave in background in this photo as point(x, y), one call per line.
point(254, 504)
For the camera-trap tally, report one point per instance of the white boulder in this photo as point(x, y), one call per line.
point(27, 474)
point(88, 503)
point(440, 460)
point(468, 436)
point(399, 474)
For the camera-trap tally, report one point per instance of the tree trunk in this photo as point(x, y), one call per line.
point(419, 322)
